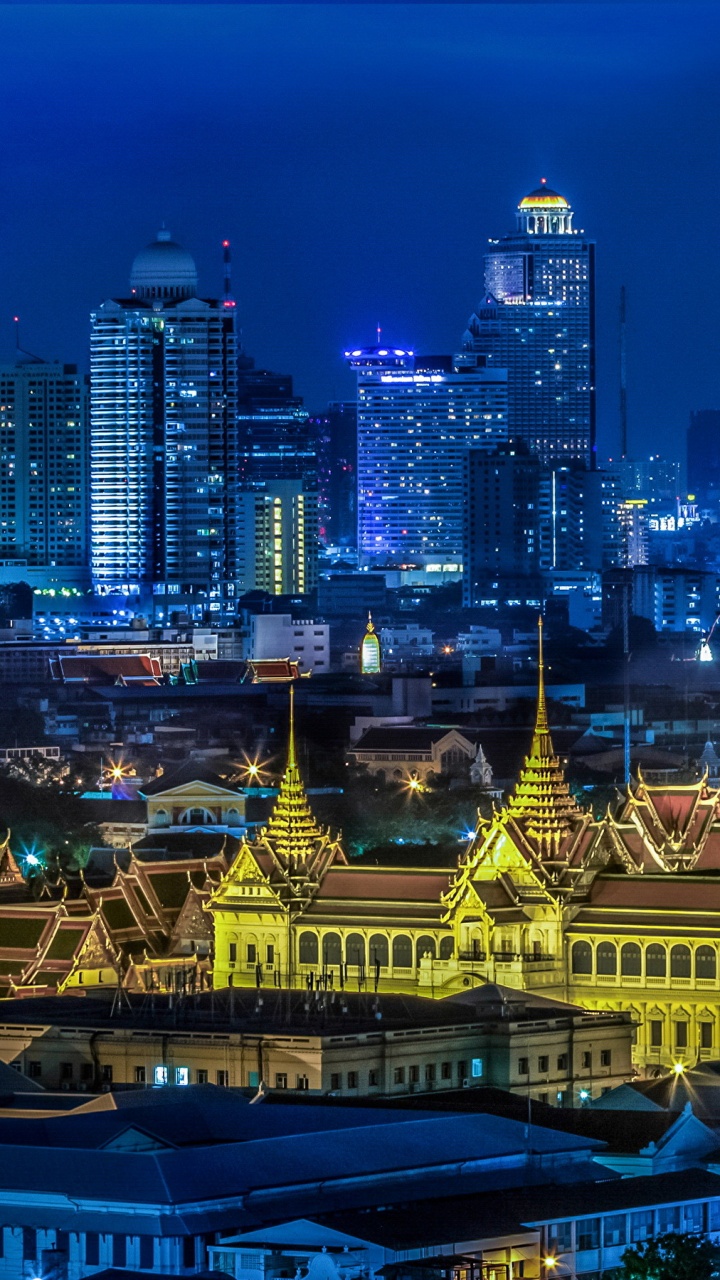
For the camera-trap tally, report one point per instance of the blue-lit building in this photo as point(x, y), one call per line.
point(416, 418)
point(537, 320)
point(43, 464)
point(164, 465)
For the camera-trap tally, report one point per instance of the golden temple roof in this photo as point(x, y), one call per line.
point(292, 831)
point(541, 802)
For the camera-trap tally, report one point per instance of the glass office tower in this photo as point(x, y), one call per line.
point(537, 320)
point(416, 417)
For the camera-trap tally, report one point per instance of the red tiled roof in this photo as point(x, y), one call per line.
point(384, 884)
point(103, 668)
point(666, 893)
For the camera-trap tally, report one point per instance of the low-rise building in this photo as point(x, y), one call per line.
point(402, 754)
point(349, 1044)
point(277, 635)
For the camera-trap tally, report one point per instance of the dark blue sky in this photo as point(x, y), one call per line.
point(359, 156)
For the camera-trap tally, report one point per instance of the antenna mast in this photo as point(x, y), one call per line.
point(228, 300)
point(623, 379)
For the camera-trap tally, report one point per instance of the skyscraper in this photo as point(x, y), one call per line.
point(502, 533)
point(43, 463)
point(416, 417)
point(537, 320)
point(275, 441)
point(164, 451)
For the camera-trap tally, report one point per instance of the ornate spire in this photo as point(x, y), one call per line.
point(541, 803)
point(292, 831)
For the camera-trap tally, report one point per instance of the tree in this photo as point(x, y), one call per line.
point(671, 1257)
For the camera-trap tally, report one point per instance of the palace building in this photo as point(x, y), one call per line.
point(620, 913)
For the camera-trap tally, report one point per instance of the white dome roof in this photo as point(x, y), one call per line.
point(163, 269)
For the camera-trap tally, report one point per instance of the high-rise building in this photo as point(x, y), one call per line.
point(537, 320)
point(580, 524)
point(336, 442)
point(44, 463)
point(416, 417)
point(164, 464)
point(278, 545)
point(502, 534)
point(703, 453)
point(275, 439)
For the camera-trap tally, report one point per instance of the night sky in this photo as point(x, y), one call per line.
point(358, 157)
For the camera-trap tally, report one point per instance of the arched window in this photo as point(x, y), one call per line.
point(162, 817)
point(582, 958)
point(423, 944)
point(630, 960)
point(447, 948)
point(379, 949)
point(309, 949)
point(705, 962)
point(607, 958)
point(355, 949)
point(680, 966)
point(402, 952)
point(197, 817)
point(655, 961)
point(331, 949)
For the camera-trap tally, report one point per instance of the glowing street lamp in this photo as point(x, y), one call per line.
point(252, 771)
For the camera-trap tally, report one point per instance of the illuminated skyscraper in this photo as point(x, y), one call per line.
point(43, 463)
point(163, 387)
point(416, 417)
point(537, 320)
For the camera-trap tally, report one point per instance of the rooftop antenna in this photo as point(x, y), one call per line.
point(623, 378)
point(16, 322)
point(378, 330)
point(228, 300)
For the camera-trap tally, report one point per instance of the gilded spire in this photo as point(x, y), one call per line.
point(292, 830)
point(541, 802)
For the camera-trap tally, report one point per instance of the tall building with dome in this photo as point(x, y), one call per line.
point(163, 414)
point(537, 320)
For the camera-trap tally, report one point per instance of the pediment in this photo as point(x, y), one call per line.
point(195, 791)
point(245, 883)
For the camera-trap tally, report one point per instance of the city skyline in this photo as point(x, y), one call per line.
point(354, 200)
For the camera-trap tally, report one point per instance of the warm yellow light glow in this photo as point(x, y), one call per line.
point(679, 1068)
point(550, 1262)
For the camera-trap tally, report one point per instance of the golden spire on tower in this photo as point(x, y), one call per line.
point(292, 830)
point(541, 803)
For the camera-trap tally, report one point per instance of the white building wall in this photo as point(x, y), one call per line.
point(275, 635)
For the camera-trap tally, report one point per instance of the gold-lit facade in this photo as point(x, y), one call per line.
point(618, 913)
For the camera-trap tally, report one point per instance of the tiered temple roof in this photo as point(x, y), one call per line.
point(535, 846)
point(541, 803)
point(290, 855)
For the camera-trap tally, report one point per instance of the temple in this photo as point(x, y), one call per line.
point(616, 913)
point(619, 912)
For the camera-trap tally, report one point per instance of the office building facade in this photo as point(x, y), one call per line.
point(163, 392)
point(43, 463)
point(416, 418)
point(537, 320)
point(502, 532)
point(277, 543)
